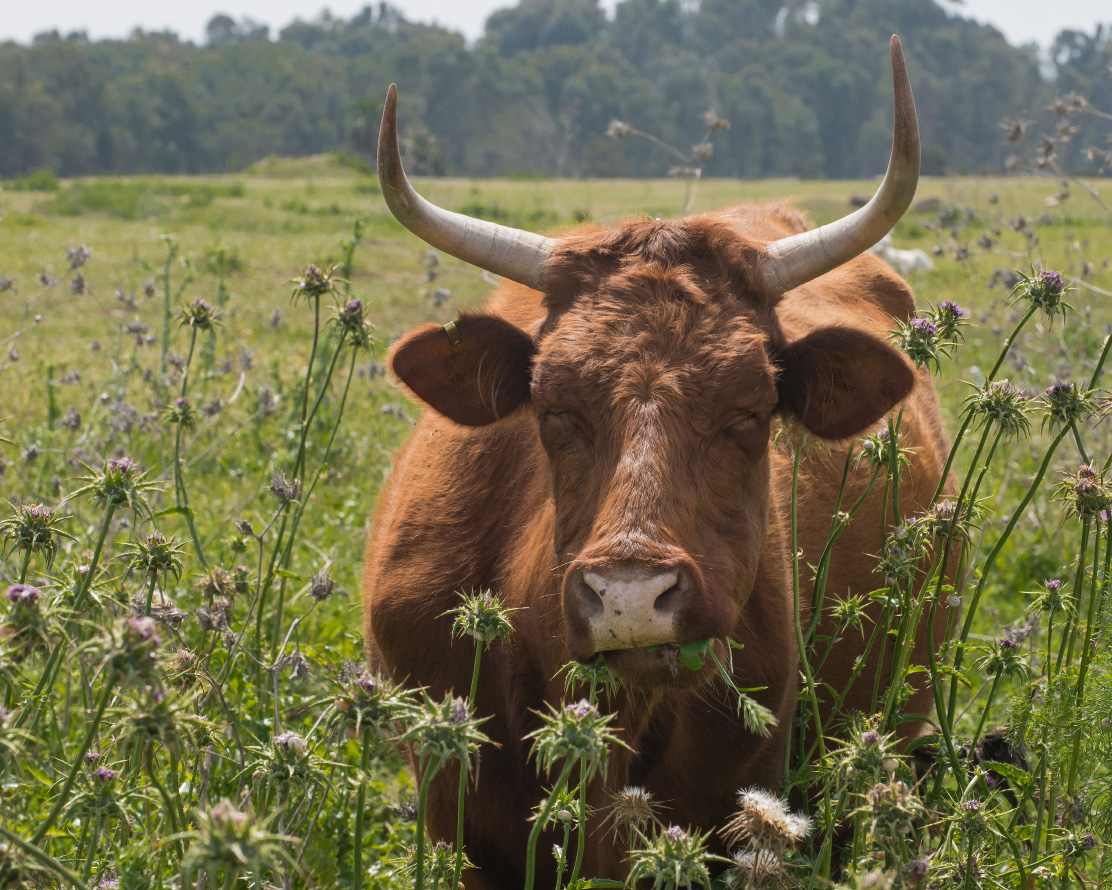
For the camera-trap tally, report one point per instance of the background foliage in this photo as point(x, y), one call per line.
point(804, 83)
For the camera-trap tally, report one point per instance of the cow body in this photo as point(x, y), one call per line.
point(659, 372)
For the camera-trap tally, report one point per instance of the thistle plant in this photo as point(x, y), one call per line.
point(672, 858)
point(441, 731)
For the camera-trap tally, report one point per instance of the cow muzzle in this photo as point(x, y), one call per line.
point(624, 606)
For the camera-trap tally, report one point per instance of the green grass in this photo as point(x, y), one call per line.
point(98, 352)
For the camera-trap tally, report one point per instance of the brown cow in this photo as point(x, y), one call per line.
point(601, 450)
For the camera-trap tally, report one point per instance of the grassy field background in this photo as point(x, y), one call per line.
point(80, 381)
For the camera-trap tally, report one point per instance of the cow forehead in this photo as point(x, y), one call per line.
point(607, 350)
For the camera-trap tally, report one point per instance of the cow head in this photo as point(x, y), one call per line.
point(654, 381)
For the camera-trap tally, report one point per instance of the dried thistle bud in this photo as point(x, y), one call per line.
point(618, 129)
point(321, 586)
point(199, 315)
point(78, 256)
point(285, 490)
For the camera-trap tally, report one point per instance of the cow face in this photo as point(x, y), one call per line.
point(654, 385)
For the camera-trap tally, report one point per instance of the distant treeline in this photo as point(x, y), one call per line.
point(805, 86)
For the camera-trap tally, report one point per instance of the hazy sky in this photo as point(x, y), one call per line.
point(1021, 21)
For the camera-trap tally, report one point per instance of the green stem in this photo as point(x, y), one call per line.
point(26, 565)
point(360, 806)
point(563, 858)
point(422, 803)
point(582, 823)
point(54, 663)
point(78, 761)
point(42, 858)
point(180, 494)
point(1086, 652)
point(463, 771)
point(987, 564)
point(542, 818)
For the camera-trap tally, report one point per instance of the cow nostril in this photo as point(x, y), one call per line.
point(670, 601)
point(590, 599)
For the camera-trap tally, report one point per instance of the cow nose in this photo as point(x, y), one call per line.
point(625, 607)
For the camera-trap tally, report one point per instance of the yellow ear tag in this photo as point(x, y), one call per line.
point(453, 333)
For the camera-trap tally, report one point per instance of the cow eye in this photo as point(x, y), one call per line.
point(560, 427)
point(748, 428)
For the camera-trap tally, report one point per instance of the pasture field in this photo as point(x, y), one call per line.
point(234, 738)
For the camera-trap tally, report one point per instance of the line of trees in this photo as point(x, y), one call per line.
point(804, 83)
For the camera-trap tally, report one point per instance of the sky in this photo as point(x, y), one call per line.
point(1021, 21)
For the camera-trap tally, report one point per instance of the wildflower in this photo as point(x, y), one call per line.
point(119, 484)
point(673, 857)
point(268, 400)
point(287, 491)
point(104, 775)
point(1044, 289)
point(315, 282)
point(882, 449)
point(849, 612)
point(1016, 130)
point(442, 730)
point(353, 324)
point(949, 317)
point(1000, 403)
point(576, 732)
point(130, 648)
point(23, 596)
point(180, 412)
point(34, 527)
point(199, 315)
point(899, 561)
point(157, 555)
point(713, 122)
point(290, 743)
point(78, 256)
point(226, 838)
point(918, 337)
point(482, 616)
point(79, 287)
point(321, 586)
point(1066, 404)
point(764, 822)
point(762, 868)
point(1004, 659)
point(944, 519)
point(618, 129)
point(367, 703)
point(1087, 492)
point(632, 809)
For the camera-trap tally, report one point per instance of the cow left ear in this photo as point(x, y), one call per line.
point(838, 381)
point(474, 370)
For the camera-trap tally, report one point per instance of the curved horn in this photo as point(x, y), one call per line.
point(508, 252)
point(797, 259)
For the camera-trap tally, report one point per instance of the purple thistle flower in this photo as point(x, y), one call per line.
point(675, 834)
point(23, 595)
point(105, 775)
point(1009, 645)
point(972, 806)
point(1089, 841)
point(1053, 585)
point(367, 683)
point(870, 737)
point(951, 309)
point(1052, 282)
point(458, 713)
point(581, 709)
point(121, 465)
point(923, 327)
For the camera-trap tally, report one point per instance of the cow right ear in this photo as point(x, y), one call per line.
point(474, 370)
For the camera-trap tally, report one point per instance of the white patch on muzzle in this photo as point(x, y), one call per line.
point(629, 615)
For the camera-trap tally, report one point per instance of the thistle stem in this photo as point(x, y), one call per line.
point(90, 734)
point(542, 818)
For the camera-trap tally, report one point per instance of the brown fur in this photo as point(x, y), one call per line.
point(660, 369)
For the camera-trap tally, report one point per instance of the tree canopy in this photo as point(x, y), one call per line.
point(805, 84)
